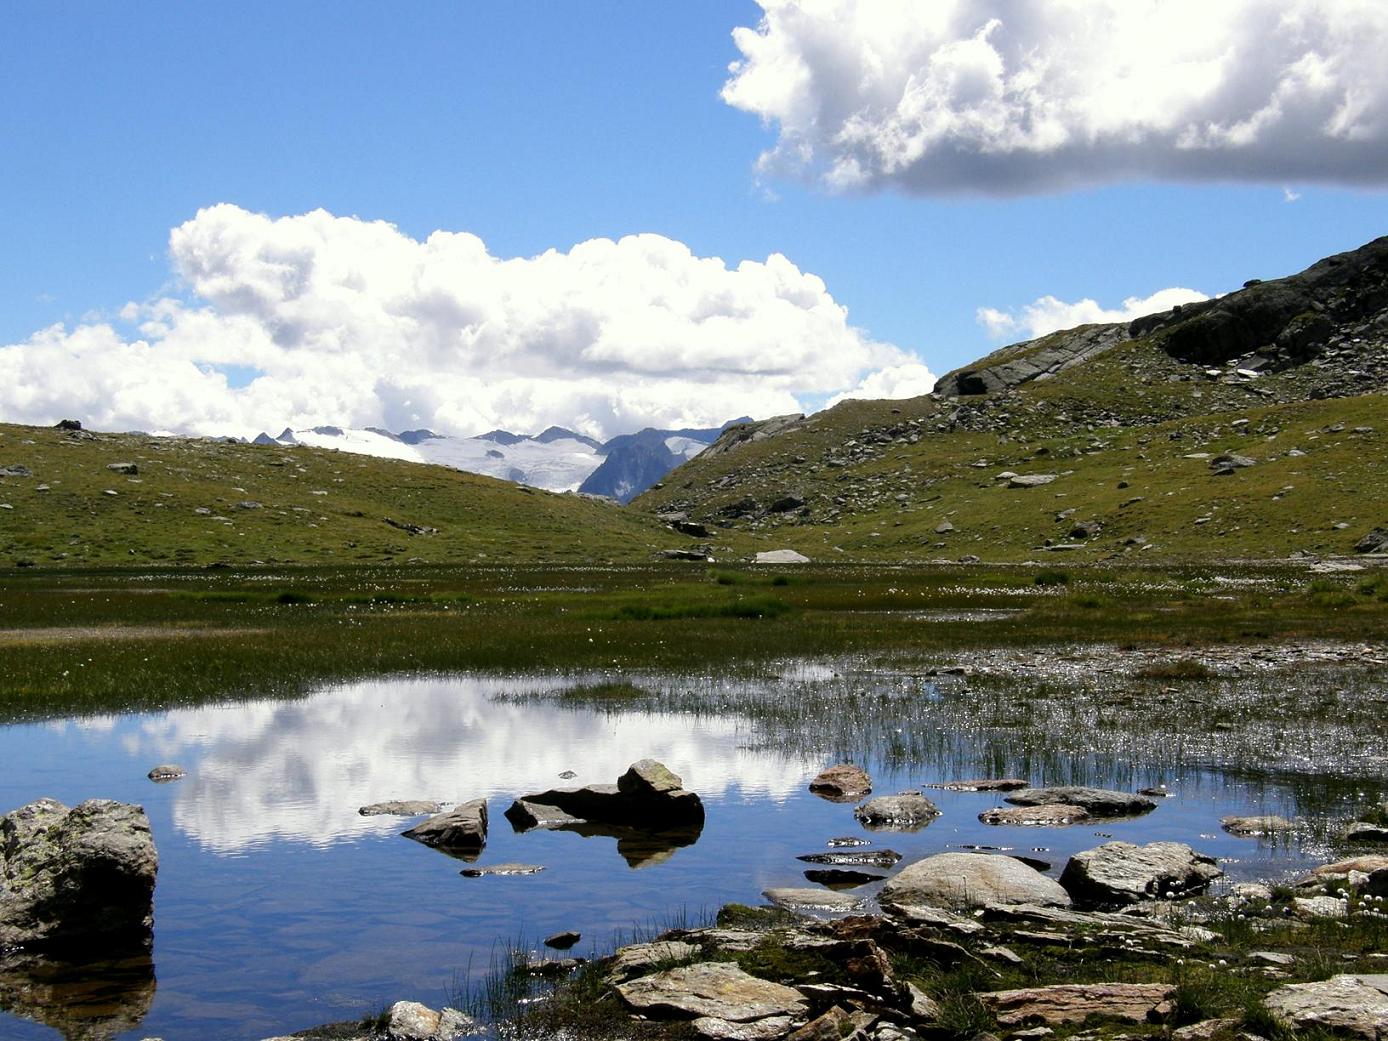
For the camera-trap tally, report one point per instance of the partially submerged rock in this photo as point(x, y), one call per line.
point(166, 772)
point(1076, 1002)
point(883, 858)
point(1356, 1005)
point(906, 811)
point(400, 808)
point(1119, 873)
point(1252, 827)
point(1100, 802)
point(648, 796)
point(842, 783)
point(793, 899)
point(719, 990)
point(502, 870)
point(969, 880)
point(1056, 814)
point(838, 878)
point(80, 877)
point(997, 784)
point(462, 829)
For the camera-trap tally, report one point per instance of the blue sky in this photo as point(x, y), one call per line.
point(542, 125)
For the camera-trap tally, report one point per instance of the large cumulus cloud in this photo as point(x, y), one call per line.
point(1049, 314)
point(352, 322)
point(1009, 96)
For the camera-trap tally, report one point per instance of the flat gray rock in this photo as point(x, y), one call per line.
point(1356, 1005)
point(1051, 815)
point(1119, 873)
point(1100, 802)
point(957, 881)
point(767, 1029)
point(793, 899)
point(883, 858)
point(501, 869)
point(1251, 827)
point(641, 959)
point(1076, 1002)
point(719, 990)
point(166, 772)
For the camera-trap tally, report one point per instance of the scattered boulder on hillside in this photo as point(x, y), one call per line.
point(905, 811)
point(1029, 480)
point(1375, 541)
point(1119, 873)
point(80, 878)
point(123, 468)
point(461, 831)
point(842, 783)
point(648, 796)
point(16, 470)
point(955, 881)
point(781, 556)
point(1100, 802)
point(67, 424)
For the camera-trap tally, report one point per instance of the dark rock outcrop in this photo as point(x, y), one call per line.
point(461, 830)
point(647, 796)
point(1100, 802)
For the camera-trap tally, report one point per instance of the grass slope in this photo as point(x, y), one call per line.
point(195, 502)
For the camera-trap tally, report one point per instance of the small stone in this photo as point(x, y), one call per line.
point(842, 783)
point(1053, 815)
point(1251, 827)
point(166, 772)
point(400, 808)
point(906, 811)
point(563, 941)
point(501, 870)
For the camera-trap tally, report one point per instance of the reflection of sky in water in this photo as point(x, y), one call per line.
point(279, 907)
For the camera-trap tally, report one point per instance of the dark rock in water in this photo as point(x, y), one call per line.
point(1100, 802)
point(1161, 791)
point(839, 878)
point(462, 829)
point(842, 783)
point(646, 796)
point(848, 840)
point(400, 808)
point(1118, 873)
point(883, 858)
point(563, 941)
point(80, 878)
point(648, 811)
point(1252, 827)
point(166, 772)
point(1365, 831)
point(1035, 863)
point(502, 870)
point(905, 811)
point(1375, 541)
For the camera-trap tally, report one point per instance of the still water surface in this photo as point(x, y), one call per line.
point(279, 907)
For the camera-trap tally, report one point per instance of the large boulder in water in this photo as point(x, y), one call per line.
point(967, 880)
point(80, 877)
point(1119, 873)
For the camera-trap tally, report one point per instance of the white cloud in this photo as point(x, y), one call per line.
point(1007, 96)
point(1048, 314)
point(353, 323)
point(908, 380)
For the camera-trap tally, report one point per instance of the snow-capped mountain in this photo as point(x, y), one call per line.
point(557, 459)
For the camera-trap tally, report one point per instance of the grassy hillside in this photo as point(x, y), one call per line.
point(196, 502)
point(1290, 374)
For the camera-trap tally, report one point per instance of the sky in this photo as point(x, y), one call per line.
point(219, 219)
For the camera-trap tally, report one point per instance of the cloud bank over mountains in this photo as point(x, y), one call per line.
point(312, 319)
point(1013, 96)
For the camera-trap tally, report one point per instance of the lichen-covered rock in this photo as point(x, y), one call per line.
point(1123, 873)
point(968, 880)
point(81, 876)
point(641, 959)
